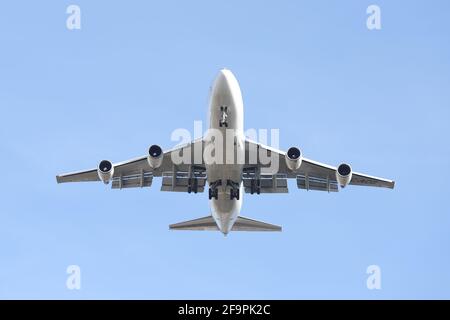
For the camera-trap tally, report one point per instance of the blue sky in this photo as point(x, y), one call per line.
point(137, 70)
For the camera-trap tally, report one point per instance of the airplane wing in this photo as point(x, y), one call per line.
point(138, 173)
point(311, 175)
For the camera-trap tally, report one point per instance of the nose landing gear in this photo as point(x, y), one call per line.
point(223, 118)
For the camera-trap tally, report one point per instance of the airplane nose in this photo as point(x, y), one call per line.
point(223, 78)
point(225, 72)
point(225, 83)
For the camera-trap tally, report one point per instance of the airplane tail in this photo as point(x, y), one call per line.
point(208, 223)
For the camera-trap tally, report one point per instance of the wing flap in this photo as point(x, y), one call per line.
point(144, 179)
point(314, 183)
point(276, 183)
point(179, 181)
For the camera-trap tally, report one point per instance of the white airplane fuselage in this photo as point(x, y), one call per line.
point(225, 98)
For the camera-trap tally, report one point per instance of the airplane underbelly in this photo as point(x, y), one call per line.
point(224, 210)
point(224, 172)
point(223, 150)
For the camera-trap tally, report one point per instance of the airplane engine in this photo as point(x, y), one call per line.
point(344, 174)
point(105, 171)
point(293, 158)
point(155, 156)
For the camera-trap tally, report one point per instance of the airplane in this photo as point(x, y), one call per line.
point(227, 181)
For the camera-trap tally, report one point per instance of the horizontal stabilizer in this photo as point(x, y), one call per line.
point(209, 224)
point(246, 224)
point(205, 223)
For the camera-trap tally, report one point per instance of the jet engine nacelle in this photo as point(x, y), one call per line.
point(293, 158)
point(155, 156)
point(105, 171)
point(344, 174)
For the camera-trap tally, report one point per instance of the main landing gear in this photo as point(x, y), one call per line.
point(213, 190)
point(192, 185)
point(255, 186)
point(234, 191)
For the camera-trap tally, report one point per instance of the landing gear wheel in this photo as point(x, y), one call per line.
point(213, 194)
point(234, 194)
point(223, 118)
point(195, 185)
